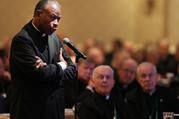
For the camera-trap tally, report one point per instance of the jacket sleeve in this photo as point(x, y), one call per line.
point(70, 72)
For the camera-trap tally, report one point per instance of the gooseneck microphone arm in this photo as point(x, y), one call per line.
point(77, 51)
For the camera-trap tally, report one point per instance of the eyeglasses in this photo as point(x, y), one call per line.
point(150, 75)
point(101, 77)
point(129, 71)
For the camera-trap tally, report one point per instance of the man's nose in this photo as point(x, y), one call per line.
point(147, 78)
point(105, 79)
point(55, 23)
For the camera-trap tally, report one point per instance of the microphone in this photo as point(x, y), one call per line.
point(70, 45)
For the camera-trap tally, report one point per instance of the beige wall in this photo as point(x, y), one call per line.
point(174, 21)
point(150, 22)
point(14, 14)
point(103, 19)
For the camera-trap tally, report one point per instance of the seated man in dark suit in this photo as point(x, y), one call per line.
point(99, 105)
point(126, 81)
point(149, 101)
point(82, 87)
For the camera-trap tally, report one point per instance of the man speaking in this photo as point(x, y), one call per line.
point(38, 65)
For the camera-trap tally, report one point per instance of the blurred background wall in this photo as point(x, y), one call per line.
point(137, 21)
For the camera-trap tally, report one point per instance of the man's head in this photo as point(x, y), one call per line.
point(85, 69)
point(152, 54)
point(164, 49)
point(47, 14)
point(96, 54)
point(119, 56)
point(147, 76)
point(103, 79)
point(127, 71)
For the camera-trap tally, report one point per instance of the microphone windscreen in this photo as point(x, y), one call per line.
point(66, 40)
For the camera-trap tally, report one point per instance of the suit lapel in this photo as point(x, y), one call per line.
point(138, 100)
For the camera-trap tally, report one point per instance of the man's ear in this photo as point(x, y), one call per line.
point(137, 77)
point(38, 12)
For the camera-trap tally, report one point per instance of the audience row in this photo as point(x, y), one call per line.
point(121, 84)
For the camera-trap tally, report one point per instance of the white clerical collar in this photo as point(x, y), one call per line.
point(43, 35)
point(107, 97)
point(151, 92)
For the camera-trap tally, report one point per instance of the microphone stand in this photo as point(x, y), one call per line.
point(76, 85)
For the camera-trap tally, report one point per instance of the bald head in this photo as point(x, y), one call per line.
point(96, 54)
point(127, 71)
point(128, 61)
point(119, 56)
point(164, 48)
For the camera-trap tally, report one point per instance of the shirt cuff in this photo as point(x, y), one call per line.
point(63, 65)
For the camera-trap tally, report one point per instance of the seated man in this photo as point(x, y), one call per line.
point(99, 104)
point(126, 81)
point(149, 101)
point(79, 88)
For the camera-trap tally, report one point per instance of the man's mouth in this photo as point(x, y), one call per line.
point(55, 29)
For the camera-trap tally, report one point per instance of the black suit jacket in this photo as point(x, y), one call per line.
point(37, 93)
point(96, 107)
point(140, 105)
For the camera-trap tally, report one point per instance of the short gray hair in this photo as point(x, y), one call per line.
point(146, 64)
point(102, 66)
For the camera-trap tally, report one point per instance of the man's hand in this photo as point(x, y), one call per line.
point(39, 62)
point(61, 57)
point(91, 83)
point(7, 76)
